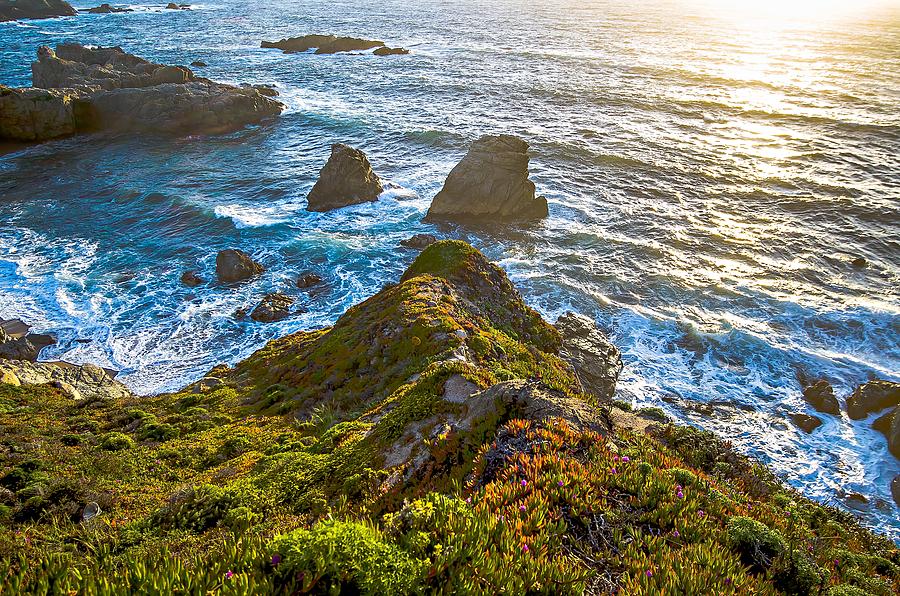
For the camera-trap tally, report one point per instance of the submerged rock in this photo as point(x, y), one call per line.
point(234, 265)
point(79, 89)
point(13, 10)
point(490, 184)
point(391, 51)
point(199, 63)
point(272, 308)
point(419, 241)
point(324, 44)
point(871, 397)
point(307, 279)
point(346, 179)
point(820, 395)
point(805, 422)
point(191, 279)
point(85, 381)
point(597, 362)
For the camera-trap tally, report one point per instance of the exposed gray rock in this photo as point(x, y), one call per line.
point(234, 265)
point(37, 114)
point(873, 396)
point(391, 52)
point(346, 179)
point(14, 10)
point(17, 343)
point(87, 381)
point(490, 184)
point(419, 241)
point(272, 308)
point(596, 361)
point(820, 395)
point(191, 279)
point(324, 44)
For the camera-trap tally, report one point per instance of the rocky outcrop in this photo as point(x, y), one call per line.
point(490, 184)
point(805, 422)
point(324, 44)
point(106, 9)
point(79, 89)
point(820, 395)
point(234, 265)
point(13, 10)
point(308, 279)
point(346, 179)
point(274, 307)
point(18, 343)
point(77, 382)
point(419, 241)
point(597, 362)
point(871, 397)
point(391, 51)
point(889, 426)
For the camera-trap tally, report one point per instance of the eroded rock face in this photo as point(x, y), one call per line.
point(324, 44)
point(78, 382)
point(346, 179)
point(234, 265)
point(16, 343)
point(871, 397)
point(13, 10)
point(274, 307)
point(490, 184)
point(820, 395)
point(308, 279)
point(88, 89)
point(597, 362)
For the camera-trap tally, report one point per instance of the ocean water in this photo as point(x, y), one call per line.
point(711, 173)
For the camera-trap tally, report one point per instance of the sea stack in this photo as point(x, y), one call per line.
point(234, 265)
point(346, 179)
point(490, 184)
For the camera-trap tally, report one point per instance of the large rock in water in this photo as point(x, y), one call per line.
point(490, 184)
point(324, 44)
point(596, 361)
point(889, 425)
point(12, 10)
point(346, 179)
point(87, 89)
point(820, 395)
point(234, 265)
point(873, 396)
point(272, 308)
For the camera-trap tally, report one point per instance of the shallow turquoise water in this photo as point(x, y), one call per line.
point(710, 176)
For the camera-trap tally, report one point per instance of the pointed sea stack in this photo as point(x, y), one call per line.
point(347, 179)
point(490, 184)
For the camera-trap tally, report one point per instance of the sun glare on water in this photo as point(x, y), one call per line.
point(782, 11)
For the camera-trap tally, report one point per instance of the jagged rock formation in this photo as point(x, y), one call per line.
point(234, 265)
point(13, 10)
point(324, 44)
point(871, 397)
point(86, 89)
point(346, 179)
point(820, 395)
point(18, 343)
point(76, 381)
point(597, 361)
point(490, 184)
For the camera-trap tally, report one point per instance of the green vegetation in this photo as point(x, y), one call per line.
point(333, 462)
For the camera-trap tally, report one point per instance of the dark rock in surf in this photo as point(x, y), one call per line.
point(79, 89)
point(895, 489)
point(308, 279)
point(385, 51)
point(873, 396)
point(324, 44)
point(859, 263)
point(13, 10)
point(889, 426)
point(274, 307)
point(805, 422)
point(419, 241)
point(106, 9)
point(346, 179)
point(234, 265)
point(820, 395)
point(596, 361)
point(191, 279)
point(490, 184)
point(199, 63)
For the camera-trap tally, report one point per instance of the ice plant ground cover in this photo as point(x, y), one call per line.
point(337, 461)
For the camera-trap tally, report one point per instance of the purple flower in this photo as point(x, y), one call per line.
point(229, 574)
point(614, 471)
point(675, 533)
point(521, 507)
point(701, 513)
point(560, 482)
point(728, 581)
point(626, 459)
point(678, 487)
point(276, 559)
point(615, 458)
point(524, 483)
point(680, 495)
point(525, 548)
point(649, 573)
point(469, 500)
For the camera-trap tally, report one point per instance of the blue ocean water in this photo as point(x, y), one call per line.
point(711, 173)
